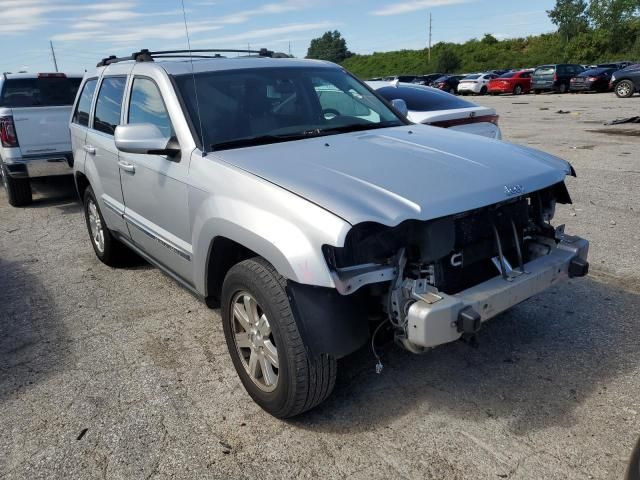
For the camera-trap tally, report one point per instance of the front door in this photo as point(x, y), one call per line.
point(155, 190)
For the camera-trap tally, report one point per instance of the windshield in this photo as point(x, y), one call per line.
point(471, 77)
point(594, 72)
point(265, 105)
point(545, 70)
point(39, 92)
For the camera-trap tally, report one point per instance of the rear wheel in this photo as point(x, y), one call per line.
point(483, 91)
point(452, 91)
point(563, 88)
point(107, 248)
point(18, 189)
point(625, 89)
point(265, 345)
point(517, 90)
point(537, 92)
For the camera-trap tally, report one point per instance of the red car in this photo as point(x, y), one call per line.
point(511, 82)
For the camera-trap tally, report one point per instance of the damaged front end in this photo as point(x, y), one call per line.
point(438, 280)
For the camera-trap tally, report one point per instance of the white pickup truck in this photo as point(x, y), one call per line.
point(34, 129)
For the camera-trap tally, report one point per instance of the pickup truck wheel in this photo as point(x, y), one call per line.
point(265, 345)
point(108, 249)
point(18, 189)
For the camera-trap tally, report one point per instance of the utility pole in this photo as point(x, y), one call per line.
point(430, 29)
point(53, 53)
point(289, 48)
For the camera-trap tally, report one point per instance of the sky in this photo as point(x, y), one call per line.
point(84, 31)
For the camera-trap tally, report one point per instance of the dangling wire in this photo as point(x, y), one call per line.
point(195, 86)
point(379, 365)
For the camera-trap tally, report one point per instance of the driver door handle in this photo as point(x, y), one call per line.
point(126, 166)
point(90, 149)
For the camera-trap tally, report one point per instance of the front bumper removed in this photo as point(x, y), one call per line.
point(437, 318)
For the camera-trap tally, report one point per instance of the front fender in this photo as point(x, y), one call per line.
point(285, 229)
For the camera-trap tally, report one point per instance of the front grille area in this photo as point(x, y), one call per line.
point(475, 245)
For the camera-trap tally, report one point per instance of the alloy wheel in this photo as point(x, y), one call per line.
point(254, 342)
point(95, 225)
point(623, 89)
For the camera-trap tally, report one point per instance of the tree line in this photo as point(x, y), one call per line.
point(588, 32)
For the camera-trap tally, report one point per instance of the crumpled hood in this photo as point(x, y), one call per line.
point(395, 174)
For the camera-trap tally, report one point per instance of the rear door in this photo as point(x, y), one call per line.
point(80, 120)
point(155, 188)
point(100, 147)
point(41, 109)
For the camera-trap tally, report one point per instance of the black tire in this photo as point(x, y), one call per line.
point(517, 90)
point(625, 89)
point(302, 382)
point(562, 88)
point(18, 189)
point(536, 92)
point(483, 91)
point(113, 253)
point(452, 91)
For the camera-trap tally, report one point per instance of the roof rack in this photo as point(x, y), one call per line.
point(147, 56)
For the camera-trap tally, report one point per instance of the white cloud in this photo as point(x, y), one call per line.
point(415, 5)
point(264, 33)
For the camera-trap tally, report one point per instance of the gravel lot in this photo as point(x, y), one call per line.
point(122, 374)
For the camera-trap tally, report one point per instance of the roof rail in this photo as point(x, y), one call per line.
point(147, 56)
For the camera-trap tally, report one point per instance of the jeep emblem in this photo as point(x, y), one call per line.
point(512, 190)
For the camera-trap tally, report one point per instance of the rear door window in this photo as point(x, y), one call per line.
point(81, 114)
point(39, 92)
point(546, 70)
point(109, 104)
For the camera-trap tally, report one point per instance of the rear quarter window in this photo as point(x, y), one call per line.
point(39, 92)
point(423, 100)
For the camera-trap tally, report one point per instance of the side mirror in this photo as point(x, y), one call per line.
point(400, 106)
point(144, 138)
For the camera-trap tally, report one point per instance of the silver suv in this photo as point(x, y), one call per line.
point(293, 196)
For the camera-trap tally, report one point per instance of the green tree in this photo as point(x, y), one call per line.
point(330, 46)
point(489, 39)
point(448, 61)
point(570, 16)
point(610, 14)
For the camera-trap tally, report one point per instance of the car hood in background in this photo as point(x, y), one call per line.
point(400, 173)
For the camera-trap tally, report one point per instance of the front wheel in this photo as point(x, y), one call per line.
point(265, 345)
point(18, 189)
point(625, 89)
point(517, 90)
point(483, 91)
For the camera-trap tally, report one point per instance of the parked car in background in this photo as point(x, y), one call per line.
point(626, 82)
point(516, 83)
point(616, 65)
point(34, 131)
point(476, 83)
point(592, 80)
point(430, 106)
point(426, 79)
point(554, 78)
point(400, 78)
point(448, 83)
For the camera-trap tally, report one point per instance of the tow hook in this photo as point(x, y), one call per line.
point(469, 321)
point(578, 267)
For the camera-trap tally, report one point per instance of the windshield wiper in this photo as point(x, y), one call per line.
point(260, 140)
point(316, 132)
point(356, 127)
